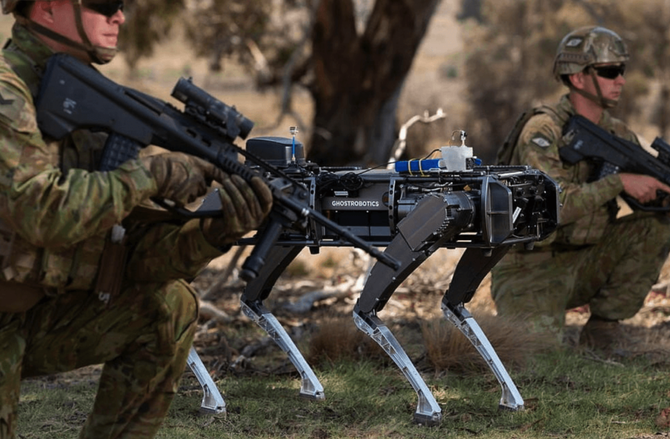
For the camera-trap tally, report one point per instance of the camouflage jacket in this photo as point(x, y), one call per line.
point(56, 210)
point(585, 211)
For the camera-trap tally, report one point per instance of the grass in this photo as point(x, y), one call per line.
point(567, 395)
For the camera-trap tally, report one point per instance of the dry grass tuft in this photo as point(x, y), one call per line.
point(339, 339)
point(652, 343)
point(445, 346)
point(448, 349)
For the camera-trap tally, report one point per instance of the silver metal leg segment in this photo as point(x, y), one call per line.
point(310, 386)
point(212, 401)
point(428, 412)
point(511, 398)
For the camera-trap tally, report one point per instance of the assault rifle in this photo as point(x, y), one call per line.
point(73, 96)
point(412, 211)
point(611, 154)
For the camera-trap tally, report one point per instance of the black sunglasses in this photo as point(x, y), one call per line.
point(106, 8)
point(610, 72)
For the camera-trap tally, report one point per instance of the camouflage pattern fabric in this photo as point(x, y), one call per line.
point(613, 277)
point(143, 338)
point(592, 258)
point(61, 213)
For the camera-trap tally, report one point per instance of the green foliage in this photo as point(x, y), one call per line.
point(566, 396)
point(329, 262)
point(147, 23)
point(297, 269)
point(258, 34)
point(221, 28)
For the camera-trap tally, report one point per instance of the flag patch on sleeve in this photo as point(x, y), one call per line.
point(541, 141)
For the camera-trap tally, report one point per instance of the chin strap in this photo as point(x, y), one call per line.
point(90, 49)
point(97, 54)
point(599, 99)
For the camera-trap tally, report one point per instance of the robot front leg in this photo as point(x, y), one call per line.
point(255, 293)
point(434, 220)
point(473, 266)
point(511, 398)
point(428, 411)
point(310, 387)
point(379, 287)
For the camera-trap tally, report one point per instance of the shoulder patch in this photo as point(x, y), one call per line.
point(540, 141)
point(11, 103)
point(15, 112)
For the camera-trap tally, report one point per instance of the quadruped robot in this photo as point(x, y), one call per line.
point(411, 211)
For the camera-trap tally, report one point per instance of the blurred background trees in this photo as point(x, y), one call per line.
point(358, 77)
point(353, 57)
point(148, 22)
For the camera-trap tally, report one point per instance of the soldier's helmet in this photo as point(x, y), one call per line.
point(587, 46)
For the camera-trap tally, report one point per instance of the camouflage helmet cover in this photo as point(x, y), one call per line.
point(8, 6)
point(587, 46)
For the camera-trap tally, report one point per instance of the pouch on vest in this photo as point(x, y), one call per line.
point(112, 265)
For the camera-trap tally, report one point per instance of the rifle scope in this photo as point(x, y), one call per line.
point(234, 122)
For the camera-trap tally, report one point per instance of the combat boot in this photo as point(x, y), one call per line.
point(605, 336)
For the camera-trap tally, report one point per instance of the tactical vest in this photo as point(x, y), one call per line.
point(23, 264)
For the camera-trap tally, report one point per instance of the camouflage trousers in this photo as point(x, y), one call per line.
point(613, 277)
point(143, 338)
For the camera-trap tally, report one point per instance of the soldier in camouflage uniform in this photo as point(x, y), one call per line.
point(71, 294)
point(593, 258)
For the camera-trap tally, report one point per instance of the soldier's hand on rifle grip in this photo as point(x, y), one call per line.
point(180, 177)
point(642, 187)
point(244, 205)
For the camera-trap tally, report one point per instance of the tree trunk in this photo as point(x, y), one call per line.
point(358, 78)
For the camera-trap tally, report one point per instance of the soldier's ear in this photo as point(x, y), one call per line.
point(577, 80)
point(42, 12)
